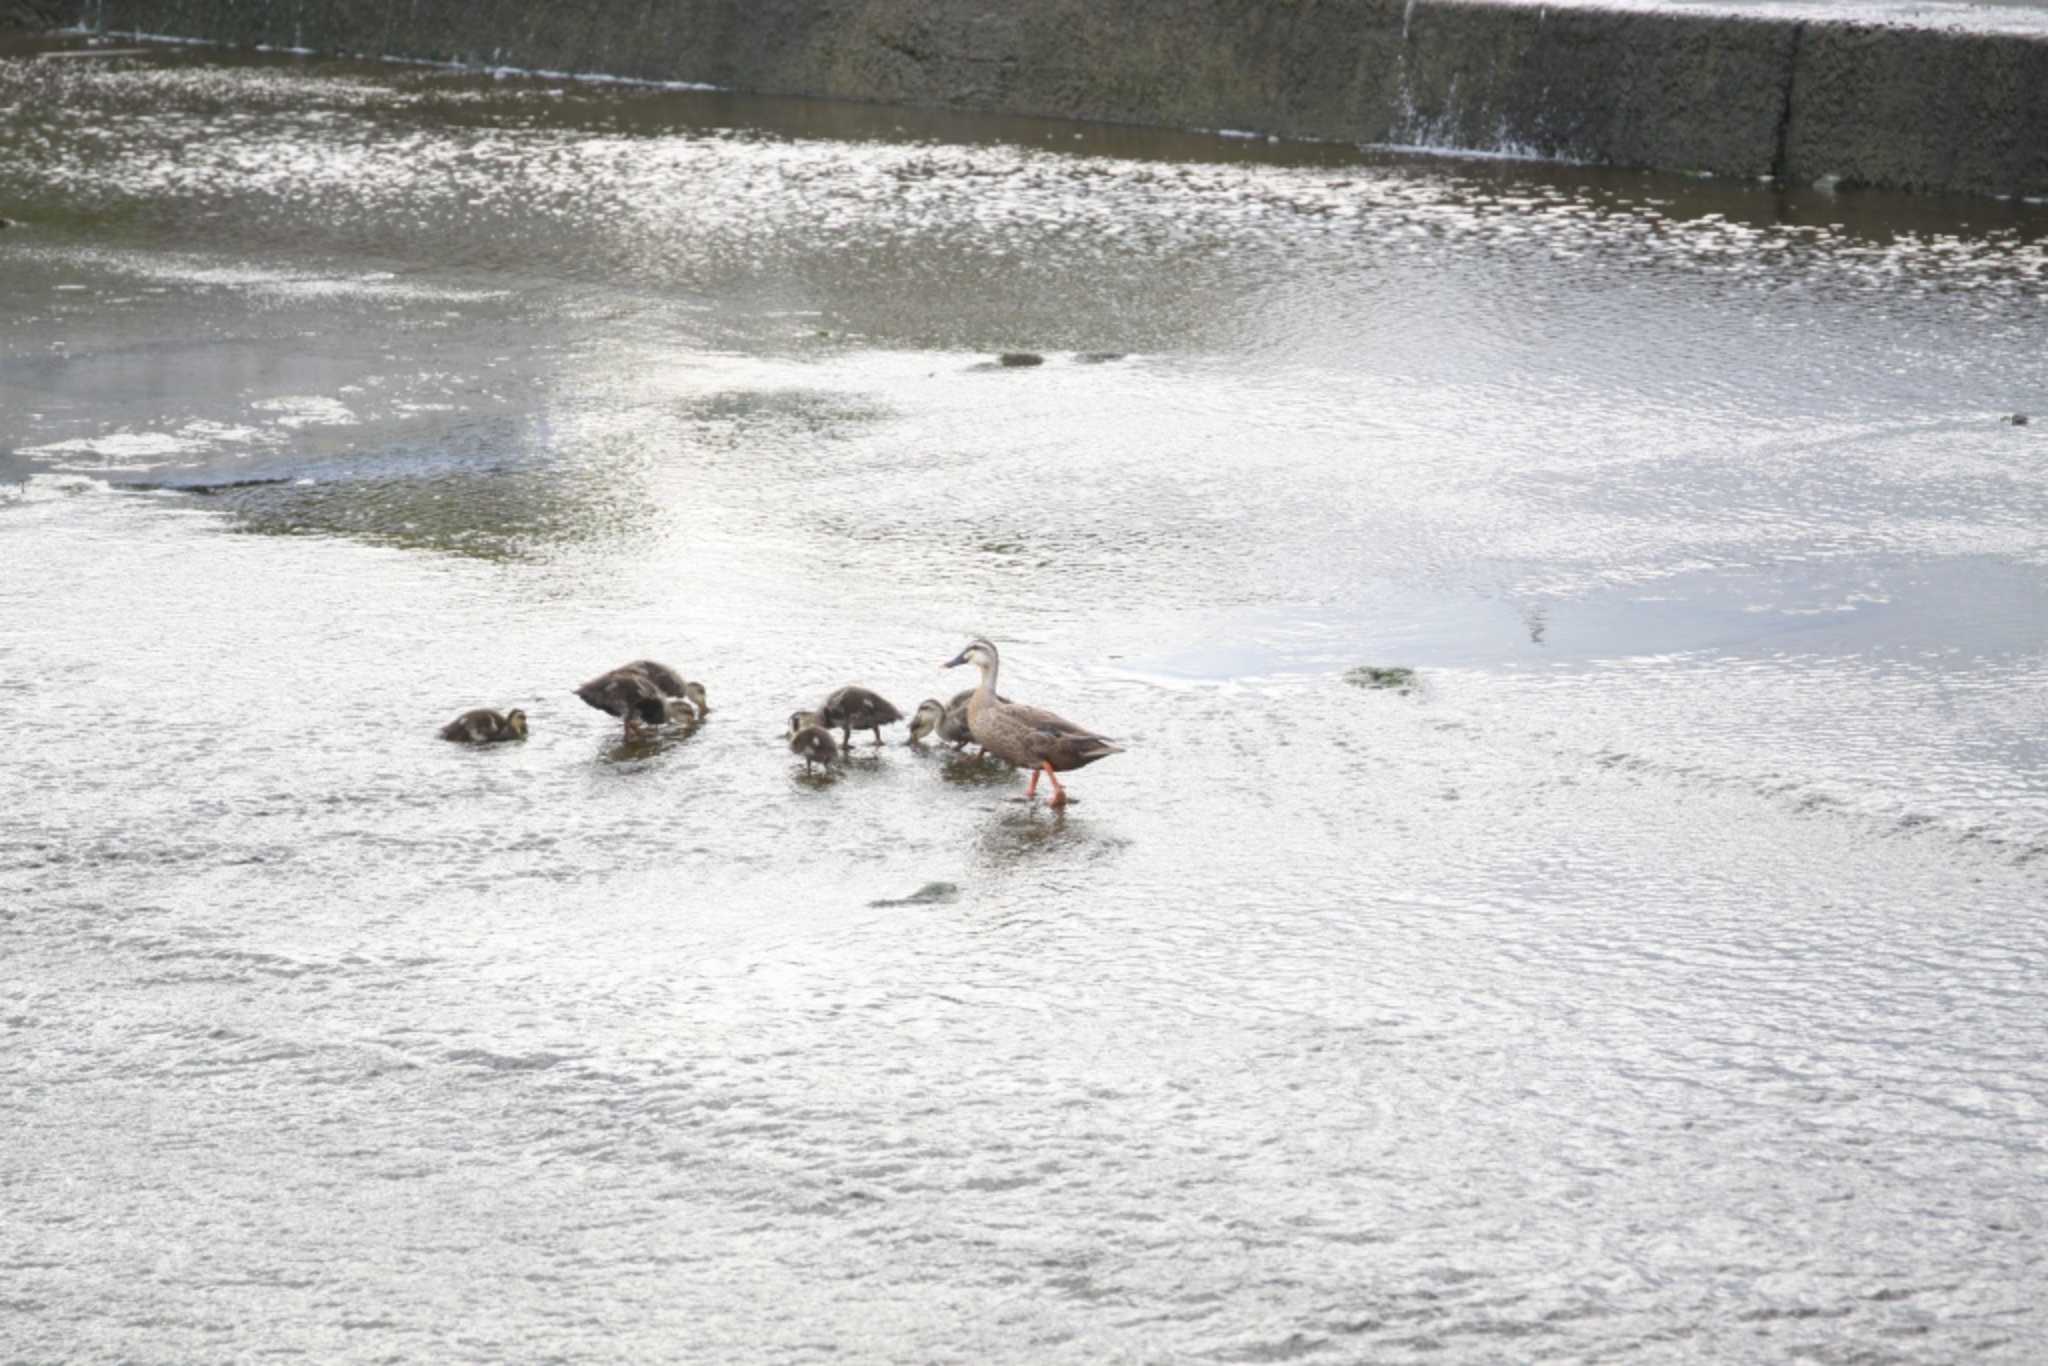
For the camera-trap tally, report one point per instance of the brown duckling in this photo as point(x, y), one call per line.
point(1028, 737)
point(482, 726)
point(953, 729)
point(926, 719)
point(850, 709)
point(810, 741)
point(947, 720)
point(672, 684)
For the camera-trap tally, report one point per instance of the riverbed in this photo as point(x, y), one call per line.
point(1655, 977)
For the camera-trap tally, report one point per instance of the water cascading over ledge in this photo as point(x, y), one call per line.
point(1730, 94)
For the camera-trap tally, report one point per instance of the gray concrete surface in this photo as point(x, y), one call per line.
point(1923, 97)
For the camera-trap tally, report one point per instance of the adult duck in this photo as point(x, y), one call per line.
point(629, 694)
point(1027, 737)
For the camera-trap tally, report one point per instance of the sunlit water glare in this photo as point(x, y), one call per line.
point(1658, 979)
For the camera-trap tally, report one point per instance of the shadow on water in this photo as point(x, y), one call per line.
point(1020, 832)
point(493, 512)
point(648, 745)
point(974, 770)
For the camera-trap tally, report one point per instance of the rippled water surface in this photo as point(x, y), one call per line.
point(1658, 979)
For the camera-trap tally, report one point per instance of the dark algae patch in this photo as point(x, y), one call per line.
point(1393, 677)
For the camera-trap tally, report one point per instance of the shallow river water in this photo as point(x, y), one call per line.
point(1659, 979)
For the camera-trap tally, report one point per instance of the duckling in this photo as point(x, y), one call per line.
point(680, 711)
point(629, 694)
point(810, 741)
point(482, 726)
point(953, 730)
point(672, 684)
point(850, 708)
point(689, 708)
point(946, 719)
point(929, 716)
point(1028, 737)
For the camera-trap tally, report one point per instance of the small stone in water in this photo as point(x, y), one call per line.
point(2018, 419)
point(929, 894)
point(1017, 358)
point(1370, 676)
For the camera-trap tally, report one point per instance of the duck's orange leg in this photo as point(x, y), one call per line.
point(1059, 794)
point(1032, 791)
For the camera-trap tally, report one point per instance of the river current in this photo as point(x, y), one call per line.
point(1656, 977)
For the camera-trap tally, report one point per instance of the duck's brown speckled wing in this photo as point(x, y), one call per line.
point(624, 690)
point(660, 675)
point(1030, 736)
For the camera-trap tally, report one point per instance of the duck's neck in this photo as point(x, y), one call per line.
point(987, 691)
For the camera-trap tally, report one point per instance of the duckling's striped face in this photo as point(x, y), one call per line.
point(930, 713)
point(798, 720)
point(695, 695)
point(515, 721)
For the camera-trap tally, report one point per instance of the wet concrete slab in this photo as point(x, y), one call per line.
point(1920, 97)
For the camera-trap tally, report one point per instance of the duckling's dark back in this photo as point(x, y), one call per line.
point(858, 708)
point(480, 725)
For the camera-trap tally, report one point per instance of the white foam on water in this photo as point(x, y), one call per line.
point(307, 410)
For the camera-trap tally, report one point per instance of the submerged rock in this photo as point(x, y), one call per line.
point(931, 894)
point(1377, 676)
point(2018, 419)
point(1014, 359)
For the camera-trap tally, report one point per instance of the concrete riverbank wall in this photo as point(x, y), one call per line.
point(31, 14)
point(1734, 94)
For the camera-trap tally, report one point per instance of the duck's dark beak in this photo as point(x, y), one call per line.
point(960, 658)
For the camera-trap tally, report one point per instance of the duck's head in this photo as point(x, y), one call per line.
point(980, 652)
point(927, 717)
point(802, 720)
point(694, 694)
point(515, 721)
